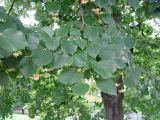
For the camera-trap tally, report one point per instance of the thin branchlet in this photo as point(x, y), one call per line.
point(10, 9)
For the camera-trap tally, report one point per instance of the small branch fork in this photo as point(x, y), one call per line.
point(11, 7)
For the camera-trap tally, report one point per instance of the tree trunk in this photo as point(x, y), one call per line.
point(113, 104)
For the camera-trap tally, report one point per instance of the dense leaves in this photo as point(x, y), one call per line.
point(91, 39)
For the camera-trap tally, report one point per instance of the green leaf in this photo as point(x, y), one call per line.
point(68, 46)
point(46, 35)
point(70, 77)
point(2, 9)
point(62, 32)
point(53, 6)
point(41, 57)
point(91, 33)
point(107, 86)
point(129, 42)
point(104, 3)
point(12, 40)
point(74, 32)
point(132, 77)
point(90, 20)
point(80, 59)
point(48, 30)
point(59, 61)
point(120, 64)
point(52, 44)
point(109, 20)
point(80, 88)
point(27, 67)
point(104, 68)
point(4, 78)
point(4, 53)
point(134, 3)
point(87, 74)
point(33, 41)
point(80, 43)
point(107, 53)
point(93, 50)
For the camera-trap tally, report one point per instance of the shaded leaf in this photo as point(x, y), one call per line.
point(134, 3)
point(52, 6)
point(59, 61)
point(93, 50)
point(70, 77)
point(74, 32)
point(91, 33)
point(27, 67)
point(80, 43)
point(4, 53)
point(104, 3)
point(90, 20)
point(62, 32)
point(4, 78)
point(106, 53)
point(33, 41)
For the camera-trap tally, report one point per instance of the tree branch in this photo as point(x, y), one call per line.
point(82, 16)
point(11, 7)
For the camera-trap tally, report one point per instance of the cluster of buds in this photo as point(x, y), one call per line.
point(17, 54)
point(84, 1)
point(91, 98)
point(38, 76)
point(11, 70)
point(55, 14)
point(97, 11)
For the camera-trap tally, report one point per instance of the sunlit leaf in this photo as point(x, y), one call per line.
point(80, 88)
point(68, 46)
point(12, 40)
point(41, 57)
point(104, 68)
point(107, 86)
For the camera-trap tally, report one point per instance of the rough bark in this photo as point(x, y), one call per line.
point(113, 104)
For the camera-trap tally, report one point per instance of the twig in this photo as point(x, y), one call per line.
point(140, 28)
point(11, 7)
point(82, 16)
